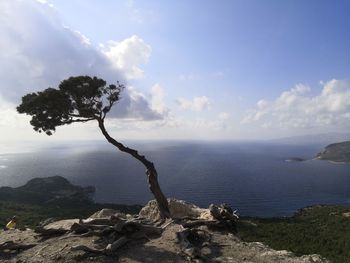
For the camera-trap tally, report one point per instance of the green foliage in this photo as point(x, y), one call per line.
point(320, 230)
point(77, 99)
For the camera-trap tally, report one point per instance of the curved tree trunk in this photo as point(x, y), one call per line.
point(151, 171)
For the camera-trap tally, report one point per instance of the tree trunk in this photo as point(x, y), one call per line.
point(151, 171)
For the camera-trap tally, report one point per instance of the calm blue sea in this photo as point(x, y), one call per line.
point(252, 177)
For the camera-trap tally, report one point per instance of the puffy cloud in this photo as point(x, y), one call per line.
point(196, 104)
point(297, 109)
point(134, 105)
point(126, 55)
point(38, 51)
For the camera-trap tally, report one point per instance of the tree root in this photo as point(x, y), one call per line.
point(10, 245)
point(124, 231)
point(46, 233)
point(88, 249)
point(117, 232)
point(112, 247)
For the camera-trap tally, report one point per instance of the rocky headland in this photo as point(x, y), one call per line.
point(50, 190)
point(336, 152)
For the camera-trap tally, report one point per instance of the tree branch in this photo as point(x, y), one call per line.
point(79, 120)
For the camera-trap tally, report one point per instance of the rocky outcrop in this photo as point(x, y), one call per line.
point(137, 239)
point(178, 209)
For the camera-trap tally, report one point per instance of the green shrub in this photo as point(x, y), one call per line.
point(320, 230)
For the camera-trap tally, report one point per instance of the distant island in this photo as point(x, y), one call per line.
point(48, 190)
point(295, 159)
point(336, 152)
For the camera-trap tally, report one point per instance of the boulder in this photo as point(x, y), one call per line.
point(178, 209)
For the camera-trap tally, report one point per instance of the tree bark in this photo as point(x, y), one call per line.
point(151, 171)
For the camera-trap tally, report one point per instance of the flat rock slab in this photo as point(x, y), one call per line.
point(62, 224)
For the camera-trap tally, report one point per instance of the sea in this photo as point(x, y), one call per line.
point(252, 177)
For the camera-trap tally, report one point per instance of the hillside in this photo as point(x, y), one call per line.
point(321, 229)
point(336, 152)
point(55, 190)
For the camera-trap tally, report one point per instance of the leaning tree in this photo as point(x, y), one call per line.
point(83, 99)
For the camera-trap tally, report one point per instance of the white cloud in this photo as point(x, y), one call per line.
point(196, 104)
point(9, 116)
point(298, 110)
point(134, 105)
point(223, 116)
point(39, 52)
point(126, 55)
point(158, 95)
point(83, 39)
point(42, 1)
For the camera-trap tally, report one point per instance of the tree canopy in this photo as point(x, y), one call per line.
point(77, 99)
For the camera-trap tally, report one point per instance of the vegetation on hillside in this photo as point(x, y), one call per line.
point(336, 152)
point(323, 230)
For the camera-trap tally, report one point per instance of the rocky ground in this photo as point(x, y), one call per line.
point(176, 242)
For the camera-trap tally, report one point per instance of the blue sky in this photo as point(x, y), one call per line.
point(265, 47)
point(202, 69)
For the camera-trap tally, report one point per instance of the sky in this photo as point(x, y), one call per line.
point(203, 70)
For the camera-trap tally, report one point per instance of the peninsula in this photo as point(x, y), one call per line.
point(336, 152)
